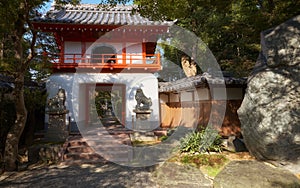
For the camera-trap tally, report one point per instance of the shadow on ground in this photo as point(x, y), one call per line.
point(98, 175)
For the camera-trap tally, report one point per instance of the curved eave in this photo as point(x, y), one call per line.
point(54, 26)
point(70, 21)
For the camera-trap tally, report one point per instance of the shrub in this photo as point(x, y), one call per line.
point(207, 140)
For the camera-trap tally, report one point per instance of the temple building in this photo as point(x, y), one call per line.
point(108, 55)
point(105, 55)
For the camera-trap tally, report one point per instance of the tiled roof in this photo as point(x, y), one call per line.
point(204, 79)
point(94, 15)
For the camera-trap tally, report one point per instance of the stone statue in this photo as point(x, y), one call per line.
point(57, 103)
point(143, 103)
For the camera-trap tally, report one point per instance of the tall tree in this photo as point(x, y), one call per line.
point(231, 29)
point(19, 42)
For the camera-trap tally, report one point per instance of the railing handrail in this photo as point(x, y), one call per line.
point(78, 58)
point(142, 61)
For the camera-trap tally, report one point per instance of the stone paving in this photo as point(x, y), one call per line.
point(252, 173)
point(238, 174)
point(107, 175)
point(85, 175)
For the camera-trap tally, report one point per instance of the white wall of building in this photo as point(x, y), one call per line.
point(133, 50)
point(202, 94)
point(186, 96)
point(70, 49)
point(219, 94)
point(74, 83)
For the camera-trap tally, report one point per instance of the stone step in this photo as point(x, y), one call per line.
point(105, 140)
point(94, 157)
point(82, 156)
point(79, 149)
point(83, 161)
point(99, 139)
point(109, 152)
point(76, 143)
point(160, 132)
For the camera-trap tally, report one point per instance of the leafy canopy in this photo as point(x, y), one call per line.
point(231, 29)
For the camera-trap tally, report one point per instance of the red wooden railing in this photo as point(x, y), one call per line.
point(111, 61)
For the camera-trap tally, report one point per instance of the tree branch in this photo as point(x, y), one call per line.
point(32, 53)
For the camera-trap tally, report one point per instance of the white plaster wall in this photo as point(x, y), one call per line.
point(186, 96)
point(202, 94)
point(219, 94)
point(72, 48)
point(134, 50)
point(90, 45)
point(76, 95)
point(57, 81)
point(75, 48)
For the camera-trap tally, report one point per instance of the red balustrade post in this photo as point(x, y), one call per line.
point(74, 58)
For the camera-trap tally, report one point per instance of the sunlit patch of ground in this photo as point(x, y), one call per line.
point(210, 163)
point(238, 155)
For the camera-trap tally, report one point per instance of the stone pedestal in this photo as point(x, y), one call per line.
point(143, 136)
point(57, 128)
point(142, 114)
point(143, 122)
point(145, 125)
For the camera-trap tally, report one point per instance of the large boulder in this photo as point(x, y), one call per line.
point(270, 112)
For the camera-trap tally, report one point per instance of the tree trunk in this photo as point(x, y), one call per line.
point(20, 65)
point(14, 134)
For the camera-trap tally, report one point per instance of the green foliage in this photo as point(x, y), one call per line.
point(164, 137)
point(19, 48)
point(199, 160)
point(207, 140)
point(210, 164)
point(231, 29)
point(35, 99)
point(105, 100)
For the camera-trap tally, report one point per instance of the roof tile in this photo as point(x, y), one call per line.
point(93, 15)
point(205, 78)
